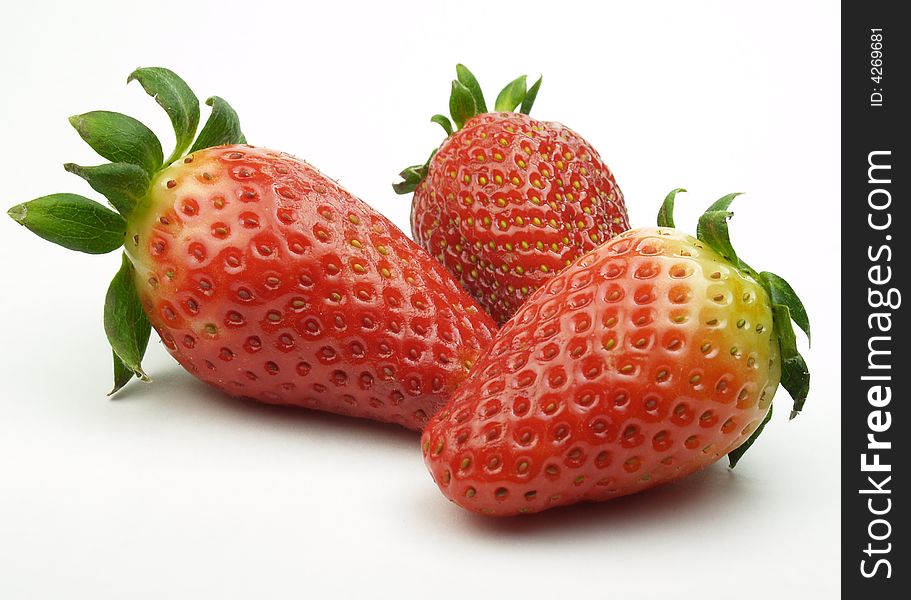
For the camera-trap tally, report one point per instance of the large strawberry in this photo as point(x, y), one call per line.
point(508, 201)
point(262, 276)
point(647, 359)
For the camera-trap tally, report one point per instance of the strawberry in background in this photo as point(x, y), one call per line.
point(508, 201)
point(649, 358)
point(262, 276)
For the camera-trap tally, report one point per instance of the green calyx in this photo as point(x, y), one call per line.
point(466, 100)
point(135, 156)
point(787, 308)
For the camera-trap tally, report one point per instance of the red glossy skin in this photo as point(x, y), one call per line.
point(644, 361)
point(509, 201)
point(268, 280)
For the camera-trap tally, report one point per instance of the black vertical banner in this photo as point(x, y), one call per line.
point(875, 271)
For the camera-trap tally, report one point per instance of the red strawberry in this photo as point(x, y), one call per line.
point(507, 201)
point(262, 276)
point(647, 359)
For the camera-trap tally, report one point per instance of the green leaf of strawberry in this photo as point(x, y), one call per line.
point(781, 292)
point(461, 104)
point(122, 374)
point(123, 184)
point(120, 138)
point(530, 96)
point(178, 101)
point(125, 324)
point(72, 221)
point(511, 96)
point(735, 454)
point(666, 213)
point(713, 227)
point(468, 79)
point(222, 127)
point(442, 121)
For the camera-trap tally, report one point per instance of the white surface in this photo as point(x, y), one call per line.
point(174, 491)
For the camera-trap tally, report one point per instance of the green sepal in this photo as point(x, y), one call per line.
point(530, 96)
point(512, 95)
point(125, 323)
point(120, 138)
point(735, 455)
point(461, 104)
point(404, 187)
point(122, 374)
point(444, 122)
point(713, 228)
point(72, 221)
point(787, 341)
point(781, 292)
point(123, 184)
point(468, 79)
point(411, 177)
point(666, 212)
point(795, 378)
point(177, 100)
point(222, 127)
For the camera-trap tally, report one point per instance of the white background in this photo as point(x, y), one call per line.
point(175, 491)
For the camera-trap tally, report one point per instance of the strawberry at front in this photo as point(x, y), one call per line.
point(647, 359)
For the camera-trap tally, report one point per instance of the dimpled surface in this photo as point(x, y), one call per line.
point(509, 201)
point(644, 361)
point(268, 280)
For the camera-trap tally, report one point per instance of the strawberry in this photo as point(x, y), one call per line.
point(262, 276)
point(645, 360)
point(507, 201)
